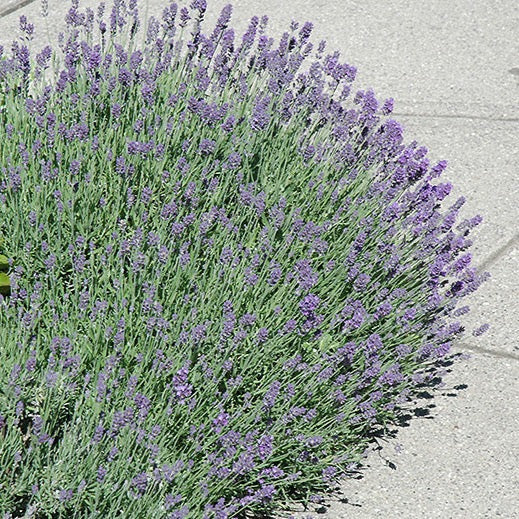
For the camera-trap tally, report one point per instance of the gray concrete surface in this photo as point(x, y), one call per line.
point(452, 67)
point(10, 6)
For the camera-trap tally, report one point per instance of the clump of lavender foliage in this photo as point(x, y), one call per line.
point(224, 271)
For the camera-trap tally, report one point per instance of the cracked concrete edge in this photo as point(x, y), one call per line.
point(455, 116)
point(12, 6)
point(502, 251)
point(486, 351)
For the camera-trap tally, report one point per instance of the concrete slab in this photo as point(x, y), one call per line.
point(10, 6)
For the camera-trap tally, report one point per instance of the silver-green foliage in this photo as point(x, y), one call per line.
point(222, 276)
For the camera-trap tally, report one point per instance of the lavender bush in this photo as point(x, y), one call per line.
point(222, 272)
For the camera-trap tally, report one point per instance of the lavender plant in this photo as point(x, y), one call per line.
point(224, 270)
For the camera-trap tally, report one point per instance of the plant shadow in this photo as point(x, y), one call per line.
point(419, 405)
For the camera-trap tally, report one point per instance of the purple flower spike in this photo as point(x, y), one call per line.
point(309, 304)
point(260, 117)
point(481, 330)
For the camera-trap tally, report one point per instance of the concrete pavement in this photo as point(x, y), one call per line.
point(452, 67)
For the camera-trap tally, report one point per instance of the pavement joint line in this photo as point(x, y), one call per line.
point(14, 7)
point(457, 116)
point(478, 349)
point(502, 251)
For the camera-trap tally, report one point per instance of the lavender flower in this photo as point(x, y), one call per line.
point(270, 397)
point(260, 117)
point(241, 259)
point(309, 304)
